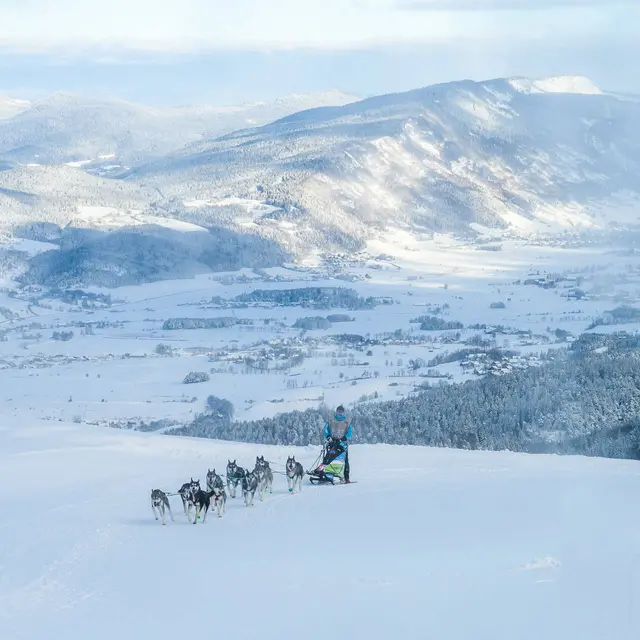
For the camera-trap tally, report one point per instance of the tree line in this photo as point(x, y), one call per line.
point(582, 400)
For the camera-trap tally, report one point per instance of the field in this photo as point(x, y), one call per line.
point(446, 543)
point(124, 366)
point(427, 544)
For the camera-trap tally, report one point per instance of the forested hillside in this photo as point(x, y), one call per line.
point(584, 400)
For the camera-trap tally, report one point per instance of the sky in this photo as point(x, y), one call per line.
point(228, 51)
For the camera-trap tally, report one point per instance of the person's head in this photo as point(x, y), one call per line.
point(340, 411)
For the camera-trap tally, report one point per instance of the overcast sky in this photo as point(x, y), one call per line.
point(183, 51)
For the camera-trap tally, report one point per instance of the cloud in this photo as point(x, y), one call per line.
point(167, 78)
point(195, 26)
point(210, 25)
point(507, 5)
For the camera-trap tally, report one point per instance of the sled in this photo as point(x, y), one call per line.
point(329, 466)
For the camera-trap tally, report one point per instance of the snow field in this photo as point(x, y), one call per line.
point(38, 378)
point(428, 544)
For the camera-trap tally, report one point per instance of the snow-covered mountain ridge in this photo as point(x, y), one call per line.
point(66, 127)
point(10, 106)
point(511, 157)
point(521, 155)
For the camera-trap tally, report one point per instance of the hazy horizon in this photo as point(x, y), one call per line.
point(159, 54)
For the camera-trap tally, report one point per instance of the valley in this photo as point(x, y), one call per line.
point(378, 325)
point(458, 265)
point(358, 252)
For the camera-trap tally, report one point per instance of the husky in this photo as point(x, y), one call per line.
point(216, 487)
point(295, 473)
point(249, 486)
point(214, 481)
point(265, 480)
point(160, 502)
point(235, 474)
point(198, 499)
point(184, 494)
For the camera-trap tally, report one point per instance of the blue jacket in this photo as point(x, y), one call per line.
point(348, 432)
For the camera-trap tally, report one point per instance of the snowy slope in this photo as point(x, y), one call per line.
point(32, 195)
point(527, 156)
point(512, 157)
point(11, 106)
point(559, 84)
point(428, 544)
point(71, 128)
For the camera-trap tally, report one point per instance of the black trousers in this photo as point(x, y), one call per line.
point(346, 465)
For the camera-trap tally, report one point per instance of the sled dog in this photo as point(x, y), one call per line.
point(184, 493)
point(265, 476)
point(234, 477)
point(216, 487)
point(249, 486)
point(199, 500)
point(160, 505)
point(295, 473)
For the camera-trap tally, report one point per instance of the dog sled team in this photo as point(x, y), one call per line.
point(197, 501)
point(332, 466)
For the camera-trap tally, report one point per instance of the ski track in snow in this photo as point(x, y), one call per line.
point(429, 543)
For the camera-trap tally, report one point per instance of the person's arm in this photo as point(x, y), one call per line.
point(326, 431)
point(347, 435)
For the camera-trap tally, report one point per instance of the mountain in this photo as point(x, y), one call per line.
point(525, 156)
point(449, 544)
point(11, 106)
point(516, 156)
point(71, 128)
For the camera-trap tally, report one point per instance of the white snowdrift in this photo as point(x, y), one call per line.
point(428, 544)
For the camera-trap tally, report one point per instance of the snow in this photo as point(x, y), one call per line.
point(428, 544)
point(78, 163)
point(556, 84)
point(31, 247)
point(448, 544)
point(195, 204)
point(110, 217)
point(250, 206)
point(116, 375)
point(171, 223)
point(67, 128)
point(9, 107)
